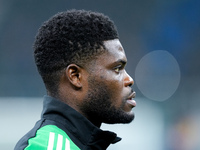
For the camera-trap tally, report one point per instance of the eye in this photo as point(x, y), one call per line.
point(118, 68)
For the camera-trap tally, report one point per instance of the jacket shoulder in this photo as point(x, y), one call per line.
point(50, 137)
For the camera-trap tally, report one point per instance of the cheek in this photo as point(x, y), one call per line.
point(116, 92)
point(114, 83)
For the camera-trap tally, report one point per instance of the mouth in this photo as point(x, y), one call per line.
point(131, 100)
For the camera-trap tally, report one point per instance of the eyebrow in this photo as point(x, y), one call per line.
point(122, 61)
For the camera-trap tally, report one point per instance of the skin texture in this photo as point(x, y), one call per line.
point(100, 90)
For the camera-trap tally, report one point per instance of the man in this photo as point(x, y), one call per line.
point(82, 63)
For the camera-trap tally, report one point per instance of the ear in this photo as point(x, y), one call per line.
point(74, 75)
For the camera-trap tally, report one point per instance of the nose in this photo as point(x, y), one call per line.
point(128, 81)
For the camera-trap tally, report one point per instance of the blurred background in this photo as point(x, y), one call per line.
point(162, 43)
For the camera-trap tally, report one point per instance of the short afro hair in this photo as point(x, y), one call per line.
point(74, 36)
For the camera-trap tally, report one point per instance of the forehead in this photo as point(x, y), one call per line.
point(114, 49)
point(113, 45)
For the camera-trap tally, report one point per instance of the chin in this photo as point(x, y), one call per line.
point(122, 118)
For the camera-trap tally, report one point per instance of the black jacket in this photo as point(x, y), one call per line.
point(63, 127)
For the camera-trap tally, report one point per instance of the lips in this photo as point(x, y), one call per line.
point(131, 100)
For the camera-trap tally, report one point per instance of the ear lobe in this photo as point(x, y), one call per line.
point(73, 73)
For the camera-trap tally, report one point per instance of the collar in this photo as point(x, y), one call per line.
point(78, 125)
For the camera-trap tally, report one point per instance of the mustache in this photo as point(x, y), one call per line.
point(131, 94)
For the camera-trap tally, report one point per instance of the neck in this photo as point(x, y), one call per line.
point(96, 123)
point(93, 119)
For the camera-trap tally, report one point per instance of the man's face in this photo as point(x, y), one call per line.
point(109, 96)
